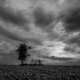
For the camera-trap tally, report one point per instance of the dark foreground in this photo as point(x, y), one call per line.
point(39, 72)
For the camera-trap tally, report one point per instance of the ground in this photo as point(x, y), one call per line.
point(9, 72)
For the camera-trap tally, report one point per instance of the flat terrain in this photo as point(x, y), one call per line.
point(39, 72)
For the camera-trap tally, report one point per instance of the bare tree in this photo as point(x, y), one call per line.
point(35, 62)
point(40, 63)
point(23, 52)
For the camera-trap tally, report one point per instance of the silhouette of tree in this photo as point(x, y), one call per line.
point(40, 63)
point(23, 52)
point(35, 62)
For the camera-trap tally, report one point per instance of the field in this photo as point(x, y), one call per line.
point(39, 72)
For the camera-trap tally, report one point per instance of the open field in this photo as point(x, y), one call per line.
point(39, 72)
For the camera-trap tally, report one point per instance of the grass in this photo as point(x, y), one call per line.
point(10, 72)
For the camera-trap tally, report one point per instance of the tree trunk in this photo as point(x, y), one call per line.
point(22, 62)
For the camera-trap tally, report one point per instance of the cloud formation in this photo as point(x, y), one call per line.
point(7, 14)
point(9, 34)
point(71, 20)
point(58, 58)
point(70, 49)
point(17, 37)
point(43, 19)
point(73, 39)
point(48, 29)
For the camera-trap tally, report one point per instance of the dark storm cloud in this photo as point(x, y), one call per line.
point(71, 20)
point(73, 40)
point(69, 48)
point(16, 37)
point(9, 34)
point(58, 58)
point(15, 17)
point(42, 18)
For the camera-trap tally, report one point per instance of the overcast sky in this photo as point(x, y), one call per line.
point(51, 27)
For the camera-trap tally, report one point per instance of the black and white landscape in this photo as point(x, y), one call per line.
point(38, 33)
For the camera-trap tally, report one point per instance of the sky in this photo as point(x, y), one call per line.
point(50, 27)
